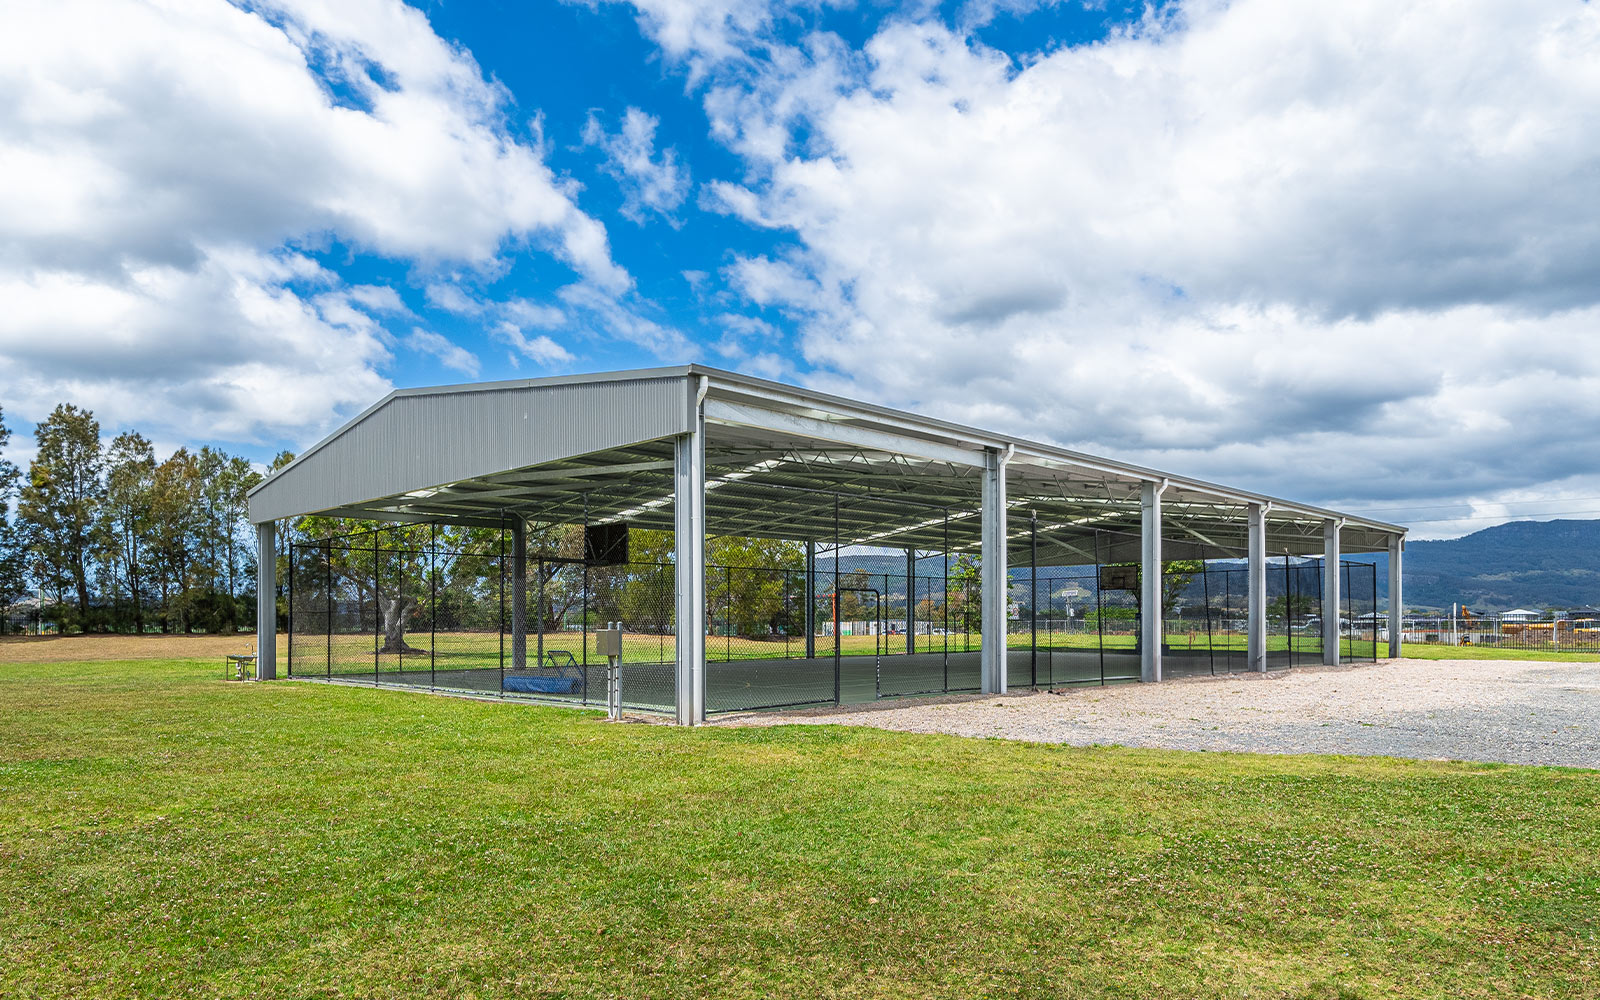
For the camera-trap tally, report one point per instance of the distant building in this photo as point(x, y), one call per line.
point(1521, 615)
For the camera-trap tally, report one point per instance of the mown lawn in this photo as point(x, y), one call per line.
point(1419, 651)
point(166, 834)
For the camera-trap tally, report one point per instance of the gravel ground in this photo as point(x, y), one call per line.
point(1511, 711)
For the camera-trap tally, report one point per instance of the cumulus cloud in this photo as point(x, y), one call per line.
point(539, 348)
point(237, 345)
point(1296, 245)
point(449, 354)
point(162, 162)
point(650, 183)
point(452, 299)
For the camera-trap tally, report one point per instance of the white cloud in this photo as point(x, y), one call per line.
point(650, 184)
point(379, 299)
point(1291, 244)
point(224, 349)
point(452, 299)
point(618, 319)
point(539, 348)
point(525, 313)
point(160, 158)
point(450, 354)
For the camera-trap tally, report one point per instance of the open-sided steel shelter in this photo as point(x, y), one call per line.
point(661, 448)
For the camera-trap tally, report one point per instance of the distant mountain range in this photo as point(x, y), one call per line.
point(1524, 564)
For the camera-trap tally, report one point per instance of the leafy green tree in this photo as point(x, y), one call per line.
point(1288, 607)
point(235, 481)
point(747, 589)
point(60, 503)
point(388, 567)
point(1175, 579)
point(12, 576)
point(130, 482)
point(173, 538)
point(966, 594)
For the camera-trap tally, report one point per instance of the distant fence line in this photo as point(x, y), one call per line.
point(1550, 633)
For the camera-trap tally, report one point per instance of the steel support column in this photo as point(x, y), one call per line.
point(519, 594)
point(911, 600)
point(1150, 625)
point(266, 601)
point(994, 573)
point(1397, 606)
point(689, 546)
point(811, 600)
point(1331, 633)
point(1256, 621)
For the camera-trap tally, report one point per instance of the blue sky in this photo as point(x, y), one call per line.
point(566, 65)
point(1346, 253)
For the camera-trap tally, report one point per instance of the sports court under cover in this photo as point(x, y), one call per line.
point(768, 546)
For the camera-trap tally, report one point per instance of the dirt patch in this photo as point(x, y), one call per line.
point(82, 648)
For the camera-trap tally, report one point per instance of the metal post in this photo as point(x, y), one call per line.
point(289, 637)
point(1099, 610)
point(1396, 605)
point(838, 664)
point(1151, 628)
point(811, 599)
point(538, 614)
point(946, 592)
point(433, 606)
point(519, 594)
point(327, 565)
point(1331, 633)
point(501, 624)
point(610, 646)
point(266, 601)
point(994, 574)
point(911, 600)
point(1256, 592)
point(1033, 597)
point(689, 519)
point(377, 610)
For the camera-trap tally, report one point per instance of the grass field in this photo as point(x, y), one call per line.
point(646, 648)
point(164, 833)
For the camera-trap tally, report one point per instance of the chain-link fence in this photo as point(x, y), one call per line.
point(447, 609)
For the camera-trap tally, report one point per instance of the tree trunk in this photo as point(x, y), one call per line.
point(395, 610)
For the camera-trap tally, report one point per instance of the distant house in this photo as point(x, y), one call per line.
point(1521, 615)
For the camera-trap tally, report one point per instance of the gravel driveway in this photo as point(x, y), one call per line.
point(1516, 712)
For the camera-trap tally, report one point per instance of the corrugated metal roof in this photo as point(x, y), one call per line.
point(598, 446)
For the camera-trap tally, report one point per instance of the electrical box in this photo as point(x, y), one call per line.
point(608, 641)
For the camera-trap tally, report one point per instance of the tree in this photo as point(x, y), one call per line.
point(747, 591)
point(1175, 578)
point(130, 483)
point(61, 500)
point(11, 548)
point(1287, 607)
point(966, 594)
point(174, 500)
point(388, 565)
point(235, 482)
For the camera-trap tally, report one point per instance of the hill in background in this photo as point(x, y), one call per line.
point(1524, 564)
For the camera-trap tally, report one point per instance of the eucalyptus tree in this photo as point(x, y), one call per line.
point(126, 520)
point(60, 501)
point(11, 549)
